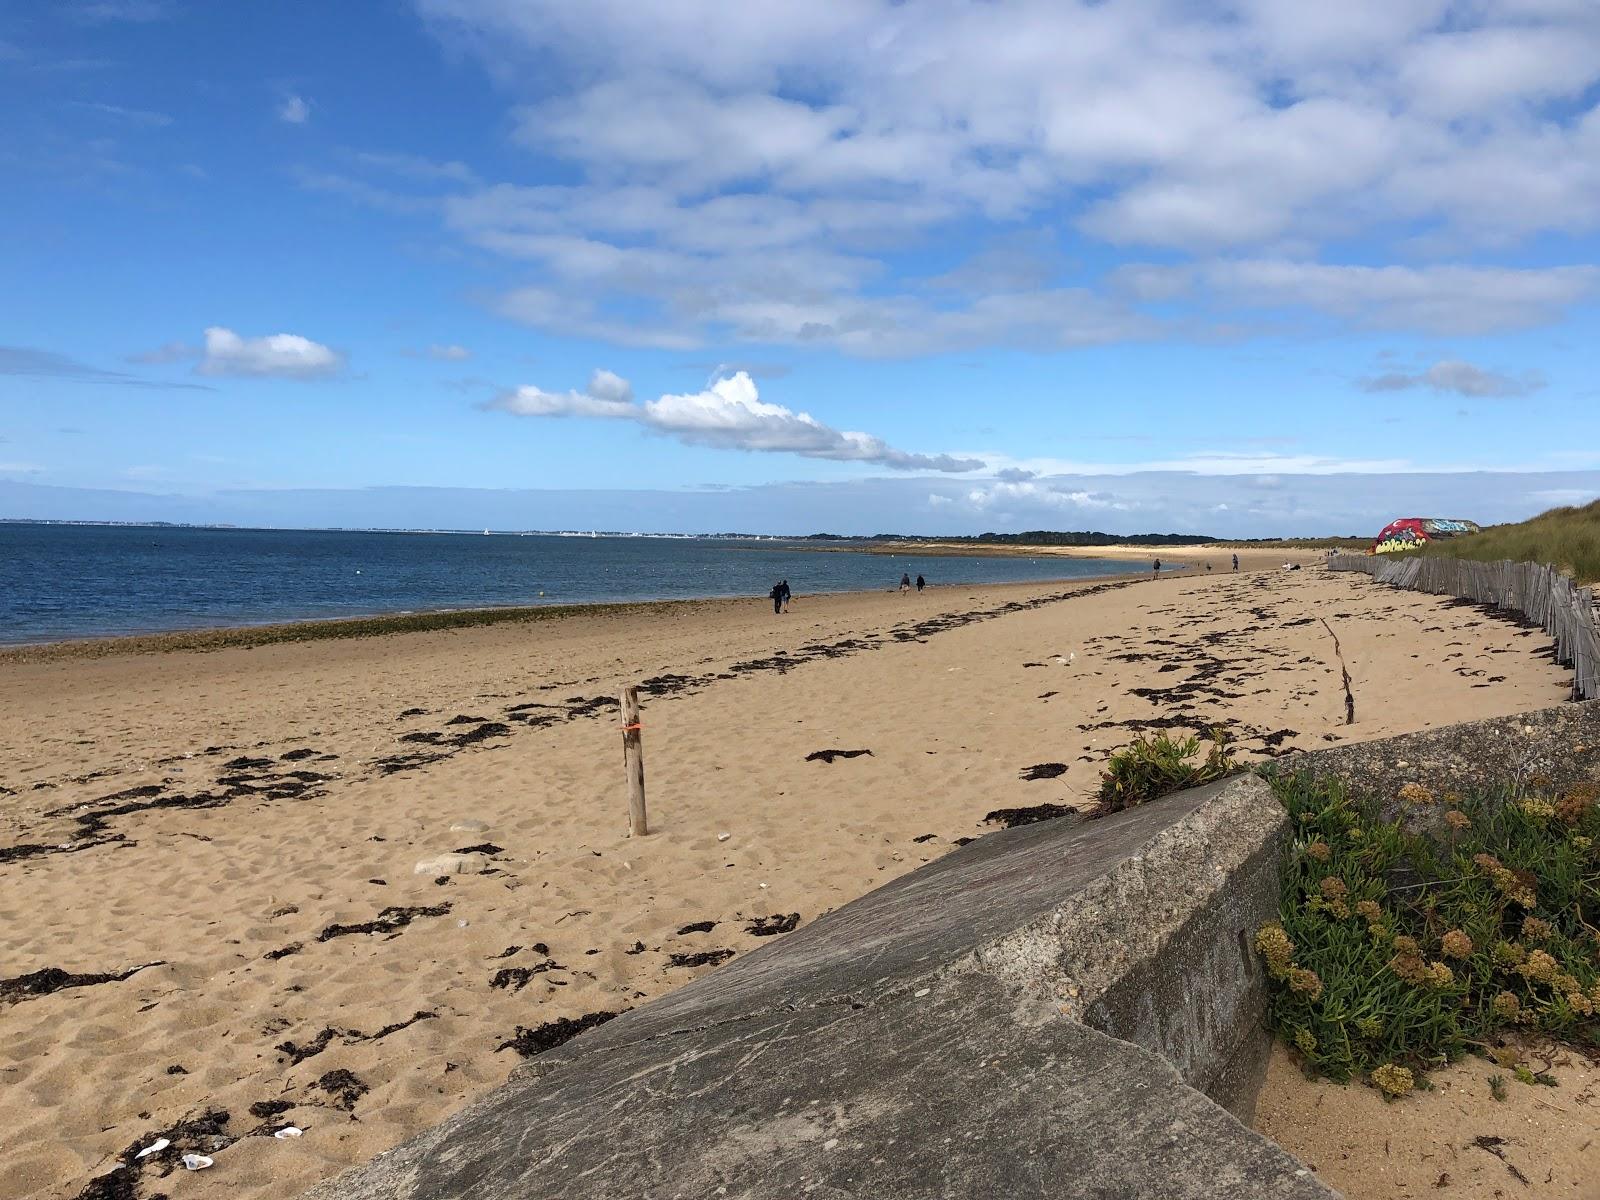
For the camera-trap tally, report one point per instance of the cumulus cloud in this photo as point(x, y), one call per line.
point(276, 356)
point(295, 110)
point(728, 415)
point(1462, 378)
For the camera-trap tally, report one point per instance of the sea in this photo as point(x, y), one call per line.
point(61, 582)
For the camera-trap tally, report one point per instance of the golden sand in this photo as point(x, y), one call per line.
point(955, 693)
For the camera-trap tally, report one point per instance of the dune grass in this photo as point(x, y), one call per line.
point(1567, 538)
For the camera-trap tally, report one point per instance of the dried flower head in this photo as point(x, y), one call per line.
point(1572, 808)
point(1370, 911)
point(1579, 1003)
point(1273, 944)
point(1369, 1027)
point(1581, 842)
point(1406, 945)
point(1305, 982)
point(1487, 863)
point(1412, 968)
point(1456, 944)
point(1508, 954)
point(1442, 976)
point(1415, 793)
point(1457, 820)
point(1319, 850)
point(1506, 1005)
point(1539, 810)
point(1392, 1080)
point(1515, 887)
point(1306, 1040)
point(1540, 966)
point(1535, 929)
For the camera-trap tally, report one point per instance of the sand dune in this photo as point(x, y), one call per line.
point(250, 821)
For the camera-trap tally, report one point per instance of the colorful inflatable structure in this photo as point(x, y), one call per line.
point(1408, 533)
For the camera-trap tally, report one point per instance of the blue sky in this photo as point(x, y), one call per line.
point(1245, 267)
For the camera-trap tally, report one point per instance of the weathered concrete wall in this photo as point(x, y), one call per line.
point(1552, 748)
point(1053, 1011)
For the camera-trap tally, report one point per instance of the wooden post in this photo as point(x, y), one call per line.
point(633, 761)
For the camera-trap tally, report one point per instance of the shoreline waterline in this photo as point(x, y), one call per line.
point(310, 629)
point(74, 583)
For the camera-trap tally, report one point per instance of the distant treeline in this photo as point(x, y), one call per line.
point(1038, 537)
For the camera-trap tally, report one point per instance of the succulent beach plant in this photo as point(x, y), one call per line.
point(1394, 952)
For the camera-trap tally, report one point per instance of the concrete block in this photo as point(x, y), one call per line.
point(1058, 1010)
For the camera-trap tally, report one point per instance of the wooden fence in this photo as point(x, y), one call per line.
point(1541, 593)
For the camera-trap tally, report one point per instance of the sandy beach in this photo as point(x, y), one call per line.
point(242, 826)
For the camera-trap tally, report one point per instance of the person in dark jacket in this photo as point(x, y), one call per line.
point(777, 597)
point(786, 594)
point(921, 583)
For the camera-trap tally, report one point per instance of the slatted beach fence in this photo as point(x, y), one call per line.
point(1540, 592)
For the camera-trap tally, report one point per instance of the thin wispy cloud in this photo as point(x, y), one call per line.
point(111, 12)
point(1461, 378)
point(32, 363)
point(294, 110)
point(127, 116)
point(728, 415)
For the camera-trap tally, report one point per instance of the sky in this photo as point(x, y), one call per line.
point(1243, 267)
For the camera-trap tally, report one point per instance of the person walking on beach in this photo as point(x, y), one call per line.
point(1235, 562)
point(786, 594)
point(777, 597)
point(1156, 567)
point(921, 583)
point(905, 583)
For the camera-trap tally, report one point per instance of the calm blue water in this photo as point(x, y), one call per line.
point(67, 581)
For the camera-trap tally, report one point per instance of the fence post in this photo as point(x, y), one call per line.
point(633, 762)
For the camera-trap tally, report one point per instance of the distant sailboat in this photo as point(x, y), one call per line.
point(485, 533)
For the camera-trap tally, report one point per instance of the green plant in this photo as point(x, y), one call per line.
point(1395, 952)
point(1497, 1087)
point(1568, 538)
point(1150, 767)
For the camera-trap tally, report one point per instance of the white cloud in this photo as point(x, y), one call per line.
point(749, 174)
point(1435, 299)
point(728, 415)
point(1061, 497)
point(1453, 375)
point(130, 116)
point(450, 353)
point(295, 110)
point(276, 356)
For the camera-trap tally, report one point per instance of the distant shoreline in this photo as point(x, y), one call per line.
point(1179, 555)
